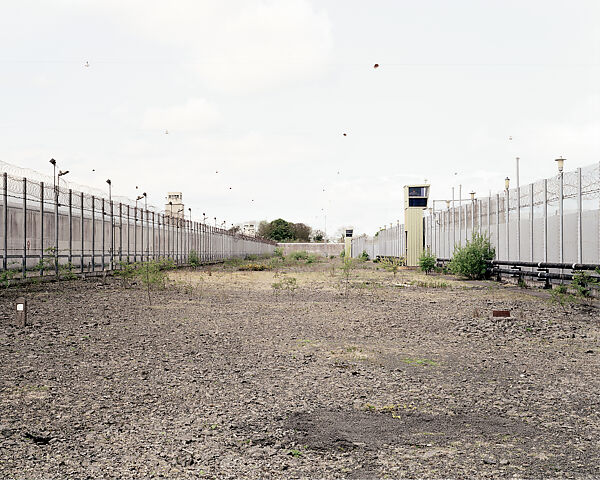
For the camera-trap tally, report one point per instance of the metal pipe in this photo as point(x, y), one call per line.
point(545, 220)
point(103, 242)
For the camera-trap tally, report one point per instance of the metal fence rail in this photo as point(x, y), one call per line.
point(44, 228)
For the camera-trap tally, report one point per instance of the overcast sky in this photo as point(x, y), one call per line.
point(263, 91)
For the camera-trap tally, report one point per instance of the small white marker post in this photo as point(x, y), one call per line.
point(21, 312)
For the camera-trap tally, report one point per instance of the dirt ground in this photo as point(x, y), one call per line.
point(224, 376)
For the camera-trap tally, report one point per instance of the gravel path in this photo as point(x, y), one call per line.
point(221, 378)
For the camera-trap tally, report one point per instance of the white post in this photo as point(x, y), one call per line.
point(579, 218)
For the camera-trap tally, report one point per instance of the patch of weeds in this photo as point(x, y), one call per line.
point(560, 295)
point(393, 264)
point(288, 284)
point(295, 453)
point(364, 256)
point(435, 284)
point(299, 255)
point(253, 267)
point(521, 283)
point(194, 259)
point(347, 269)
point(6, 276)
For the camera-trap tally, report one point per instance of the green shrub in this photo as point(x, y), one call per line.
point(278, 252)
point(342, 254)
point(312, 258)
point(472, 260)
point(251, 256)
point(427, 262)
point(583, 283)
point(299, 255)
point(194, 259)
point(364, 256)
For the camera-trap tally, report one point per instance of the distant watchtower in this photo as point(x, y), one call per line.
point(415, 201)
point(174, 206)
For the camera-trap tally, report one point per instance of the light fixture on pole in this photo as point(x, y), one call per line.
point(560, 162)
point(506, 183)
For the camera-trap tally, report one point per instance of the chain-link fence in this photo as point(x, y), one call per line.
point(45, 227)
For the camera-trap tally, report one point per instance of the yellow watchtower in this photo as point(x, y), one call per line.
point(415, 201)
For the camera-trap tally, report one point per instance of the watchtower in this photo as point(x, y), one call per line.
point(415, 202)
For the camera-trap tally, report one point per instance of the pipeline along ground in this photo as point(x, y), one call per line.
point(225, 376)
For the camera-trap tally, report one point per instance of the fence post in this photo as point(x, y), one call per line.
point(56, 189)
point(120, 232)
point(5, 232)
point(24, 267)
point(93, 233)
point(498, 226)
point(103, 240)
point(135, 234)
point(112, 235)
point(545, 220)
point(82, 230)
point(531, 217)
point(158, 232)
point(41, 228)
point(507, 219)
point(70, 227)
point(128, 234)
point(142, 234)
point(489, 206)
point(518, 221)
point(153, 237)
point(579, 218)
point(561, 213)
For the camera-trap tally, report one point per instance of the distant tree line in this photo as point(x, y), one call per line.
point(281, 230)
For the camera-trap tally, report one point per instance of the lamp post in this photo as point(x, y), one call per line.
point(560, 163)
point(507, 215)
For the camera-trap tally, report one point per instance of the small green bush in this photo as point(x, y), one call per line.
point(194, 259)
point(472, 260)
point(312, 258)
point(364, 256)
point(427, 262)
point(278, 252)
point(299, 255)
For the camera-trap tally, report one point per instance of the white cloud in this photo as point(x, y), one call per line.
point(195, 114)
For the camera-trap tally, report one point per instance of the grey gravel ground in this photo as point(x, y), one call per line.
point(221, 378)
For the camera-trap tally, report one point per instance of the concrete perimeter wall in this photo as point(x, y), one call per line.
point(318, 248)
